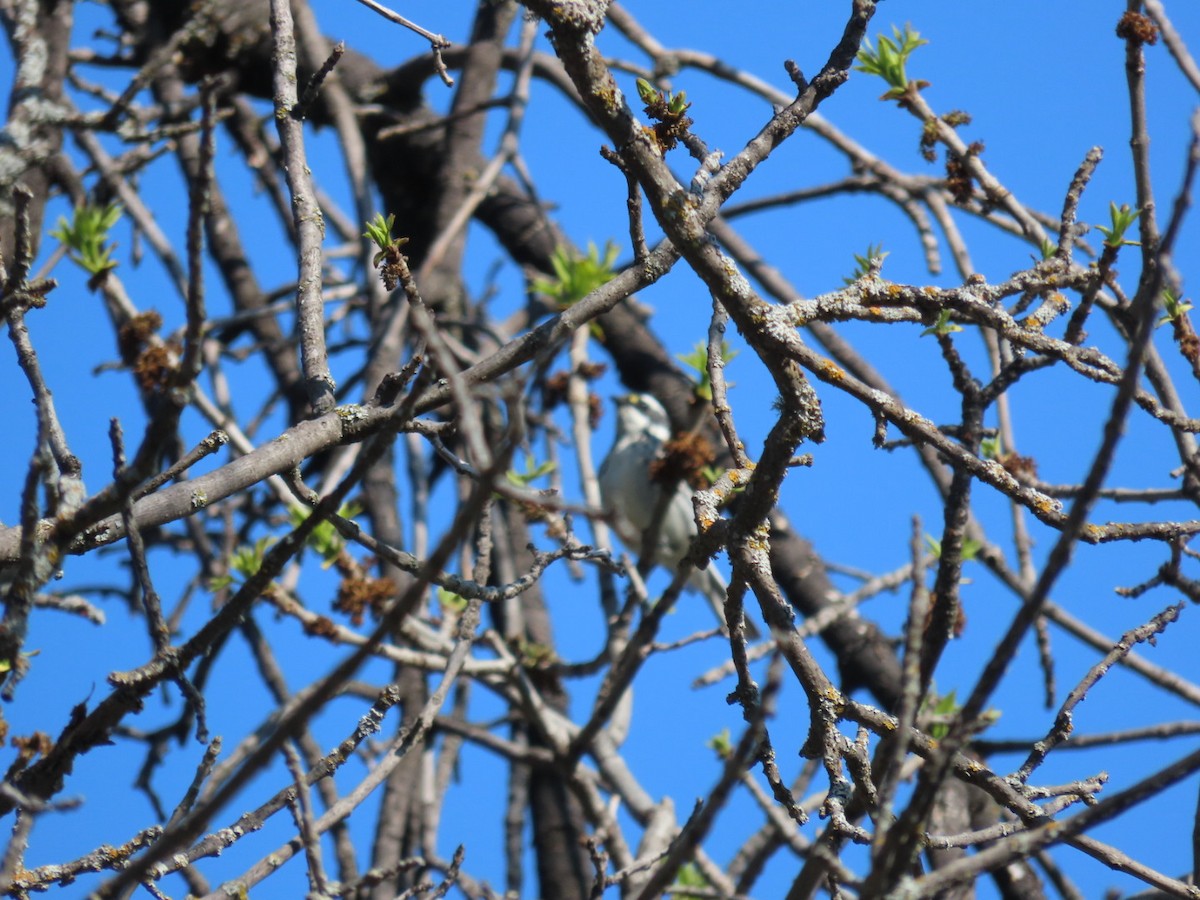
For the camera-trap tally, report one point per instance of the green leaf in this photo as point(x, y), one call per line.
point(690, 877)
point(379, 231)
point(324, 538)
point(970, 548)
point(862, 264)
point(533, 471)
point(450, 600)
point(1122, 218)
point(86, 236)
point(938, 714)
point(889, 59)
point(6, 664)
point(577, 276)
point(1173, 307)
point(946, 706)
point(698, 360)
point(245, 561)
point(219, 583)
point(721, 743)
point(943, 325)
point(248, 559)
point(648, 92)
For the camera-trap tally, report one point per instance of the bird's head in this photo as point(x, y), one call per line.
point(641, 415)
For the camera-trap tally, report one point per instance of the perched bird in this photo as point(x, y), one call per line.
point(633, 496)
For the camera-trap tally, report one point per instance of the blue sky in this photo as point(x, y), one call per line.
point(1043, 82)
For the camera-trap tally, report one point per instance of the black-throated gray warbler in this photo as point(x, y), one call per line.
point(633, 496)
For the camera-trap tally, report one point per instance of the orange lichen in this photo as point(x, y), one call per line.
point(832, 370)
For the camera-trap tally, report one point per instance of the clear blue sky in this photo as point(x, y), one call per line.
point(1043, 81)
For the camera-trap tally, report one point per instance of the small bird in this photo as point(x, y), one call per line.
point(633, 496)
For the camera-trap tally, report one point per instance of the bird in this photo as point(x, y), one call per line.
point(632, 495)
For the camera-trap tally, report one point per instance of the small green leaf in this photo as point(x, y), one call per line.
point(248, 559)
point(6, 664)
point(698, 360)
point(450, 600)
point(1173, 307)
point(943, 325)
point(324, 538)
point(1122, 218)
point(946, 706)
point(970, 548)
point(889, 59)
point(533, 471)
point(721, 743)
point(577, 276)
point(86, 236)
point(648, 92)
point(245, 562)
point(379, 231)
point(534, 655)
point(690, 876)
point(862, 264)
point(938, 713)
point(219, 583)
